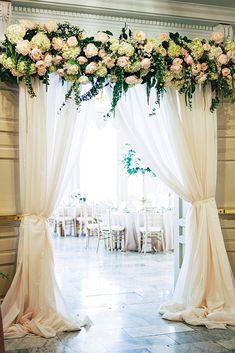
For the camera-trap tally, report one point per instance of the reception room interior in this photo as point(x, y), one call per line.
point(117, 162)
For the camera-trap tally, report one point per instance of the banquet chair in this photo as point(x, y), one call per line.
point(64, 220)
point(84, 217)
point(112, 235)
point(92, 223)
point(151, 230)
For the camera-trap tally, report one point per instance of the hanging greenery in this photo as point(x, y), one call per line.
point(133, 164)
point(35, 50)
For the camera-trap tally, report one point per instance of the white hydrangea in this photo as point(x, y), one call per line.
point(15, 33)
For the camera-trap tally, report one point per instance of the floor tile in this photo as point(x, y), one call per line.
point(121, 293)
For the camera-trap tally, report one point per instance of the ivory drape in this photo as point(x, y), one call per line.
point(180, 146)
point(48, 144)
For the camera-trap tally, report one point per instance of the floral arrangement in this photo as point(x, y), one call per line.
point(78, 196)
point(35, 50)
point(134, 164)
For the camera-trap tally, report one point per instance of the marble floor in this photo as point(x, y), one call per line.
point(121, 294)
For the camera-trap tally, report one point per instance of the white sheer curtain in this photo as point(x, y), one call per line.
point(48, 145)
point(181, 147)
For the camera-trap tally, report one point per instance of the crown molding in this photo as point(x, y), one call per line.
point(93, 20)
point(168, 10)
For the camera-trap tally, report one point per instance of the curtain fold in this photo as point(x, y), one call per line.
point(180, 146)
point(49, 142)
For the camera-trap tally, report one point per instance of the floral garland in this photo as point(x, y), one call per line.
point(133, 164)
point(34, 50)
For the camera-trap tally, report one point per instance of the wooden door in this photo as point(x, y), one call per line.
point(9, 183)
point(225, 191)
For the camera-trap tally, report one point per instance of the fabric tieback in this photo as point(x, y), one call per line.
point(38, 217)
point(203, 202)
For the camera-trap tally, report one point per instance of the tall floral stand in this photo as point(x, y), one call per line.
point(2, 349)
point(143, 198)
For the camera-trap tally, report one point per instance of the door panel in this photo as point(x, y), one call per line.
point(9, 182)
point(225, 191)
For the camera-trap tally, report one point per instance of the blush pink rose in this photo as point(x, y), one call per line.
point(217, 37)
point(123, 61)
point(177, 61)
point(57, 43)
point(176, 68)
point(226, 71)
point(133, 80)
point(145, 63)
point(204, 66)
point(91, 50)
point(223, 59)
point(91, 68)
point(82, 60)
point(189, 60)
point(23, 47)
point(36, 54)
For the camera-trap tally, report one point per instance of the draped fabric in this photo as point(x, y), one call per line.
point(48, 139)
point(180, 146)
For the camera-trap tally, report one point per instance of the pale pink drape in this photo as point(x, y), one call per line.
point(180, 146)
point(48, 141)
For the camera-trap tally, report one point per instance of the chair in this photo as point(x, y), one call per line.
point(64, 219)
point(152, 229)
point(84, 217)
point(112, 235)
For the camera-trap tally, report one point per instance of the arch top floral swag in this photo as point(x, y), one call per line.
point(35, 50)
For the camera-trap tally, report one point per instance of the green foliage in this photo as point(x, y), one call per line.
point(133, 164)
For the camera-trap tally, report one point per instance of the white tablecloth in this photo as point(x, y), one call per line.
point(133, 220)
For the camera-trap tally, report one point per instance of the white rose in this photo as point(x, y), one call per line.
point(91, 50)
point(51, 26)
point(72, 41)
point(148, 47)
point(27, 24)
point(23, 47)
point(83, 80)
point(101, 37)
point(164, 37)
point(139, 36)
point(145, 63)
point(71, 69)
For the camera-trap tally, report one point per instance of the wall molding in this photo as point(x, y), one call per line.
point(96, 22)
point(176, 11)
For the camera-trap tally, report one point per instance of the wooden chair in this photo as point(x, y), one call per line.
point(152, 229)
